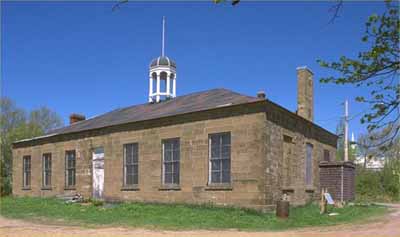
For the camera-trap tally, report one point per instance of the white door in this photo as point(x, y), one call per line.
point(98, 173)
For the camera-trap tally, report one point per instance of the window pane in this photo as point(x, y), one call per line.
point(226, 165)
point(176, 144)
point(176, 167)
point(167, 145)
point(129, 179)
point(215, 151)
point(215, 165)
point(135, 179)
point(135, 158)
point(215, 140)
point(226, 139)
point(168, 167)
point(176, 155)
point(168, 178)
point(226, 152)
point(129, 170)
point(167, 156)
point(70, 181)
point(215, 177)
point(176, 178)
point(226, 177)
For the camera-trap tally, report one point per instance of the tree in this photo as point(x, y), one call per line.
point(378, 70)
point(366, 149)
point(16, 124)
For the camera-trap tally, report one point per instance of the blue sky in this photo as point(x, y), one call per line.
point(82, 57)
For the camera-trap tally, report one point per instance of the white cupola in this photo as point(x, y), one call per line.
point(162, 75)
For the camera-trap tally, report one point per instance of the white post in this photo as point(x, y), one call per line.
point(168, 82)
point(174, 87)
point(346, 130)
point(158, 88)
point(150, 88)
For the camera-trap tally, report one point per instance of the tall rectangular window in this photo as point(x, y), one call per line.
point(26, 166)
point(327, 155)
point(171, 158)
point(70, 169)
point(131, 164)
point(220, 158)
point(46, 170)
point(309, 151)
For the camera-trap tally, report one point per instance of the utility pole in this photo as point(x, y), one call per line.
point(346, 131)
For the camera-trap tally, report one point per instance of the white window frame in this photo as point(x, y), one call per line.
point(125, 184)
point(25, 171)
point(210, 163)
point(172, 162)
point(67, 168)
point(46, 170)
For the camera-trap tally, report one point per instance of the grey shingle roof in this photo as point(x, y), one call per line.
point(194, 102)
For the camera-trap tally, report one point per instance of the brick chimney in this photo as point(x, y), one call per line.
point(73, 118)
point(305, 93)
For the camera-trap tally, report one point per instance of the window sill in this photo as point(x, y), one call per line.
point(310, 189)
point(26, 188)
point(170, 188)
point(219, 187)
point(46, 188)
point(288, 189)
point(69, 188)
point(130, 188)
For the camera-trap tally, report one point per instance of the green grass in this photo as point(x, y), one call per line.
point(176, 216)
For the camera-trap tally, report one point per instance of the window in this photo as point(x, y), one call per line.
point(70, 169)
point(220, 158)
point(46, 170)
point(309, 151)
point(287, 139)
point(131, 164)
point(326, 155)
point(171, 157)
point(26, 166)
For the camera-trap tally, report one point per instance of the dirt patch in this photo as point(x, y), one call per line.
point(387, 226)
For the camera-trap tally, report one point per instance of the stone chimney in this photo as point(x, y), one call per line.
point(305, 93)
point(73, 118)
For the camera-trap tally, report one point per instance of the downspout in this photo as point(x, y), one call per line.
point(341, 193)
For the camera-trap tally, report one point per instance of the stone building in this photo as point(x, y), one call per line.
point(213, 146)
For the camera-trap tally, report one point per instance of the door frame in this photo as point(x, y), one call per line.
point(97, 156)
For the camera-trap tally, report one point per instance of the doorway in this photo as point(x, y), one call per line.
point(98, 173)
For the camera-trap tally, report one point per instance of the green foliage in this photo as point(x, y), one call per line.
point(382, 185)
point(176, 216)
point(96, 202)
point(377, 69)
point(17, 124)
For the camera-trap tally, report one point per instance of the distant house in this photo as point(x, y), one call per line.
point(214, 146)
point(373, 163)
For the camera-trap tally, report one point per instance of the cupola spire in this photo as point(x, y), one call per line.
point(163, 37)
point(162, 75)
